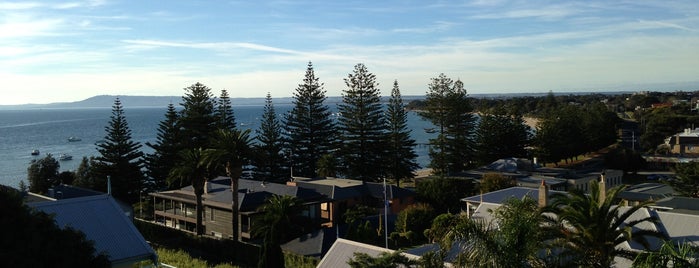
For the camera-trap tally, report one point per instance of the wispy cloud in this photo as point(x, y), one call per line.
point(18, 5)
point(664, 24)
point(19, 26)
point(543, 12)
point(221, 46)
point(438, 26)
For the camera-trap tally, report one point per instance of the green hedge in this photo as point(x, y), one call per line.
point(189, 250)
point(214, 251)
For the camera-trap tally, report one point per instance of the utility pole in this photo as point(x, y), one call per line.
point(385, 212)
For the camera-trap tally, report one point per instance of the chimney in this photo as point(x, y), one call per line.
point(602, 188)
point(543, 194)
point(207, 187)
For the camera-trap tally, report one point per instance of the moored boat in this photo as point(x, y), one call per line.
point(65, 157)
point(35, 152)
point(74, 139)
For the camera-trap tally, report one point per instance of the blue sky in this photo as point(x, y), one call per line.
point(56, 51)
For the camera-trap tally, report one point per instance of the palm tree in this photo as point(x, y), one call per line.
point(276, 220)
point(515, 238)
point(592, 226)
point(670, 254)
point(190, 168)
point(229, 150)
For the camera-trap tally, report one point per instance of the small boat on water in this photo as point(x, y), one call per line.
point(71, 139)
point(65, 157)
point(35, 152)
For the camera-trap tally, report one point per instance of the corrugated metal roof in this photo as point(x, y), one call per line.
point(343, 250)
point(102, 220)
point(680, 227)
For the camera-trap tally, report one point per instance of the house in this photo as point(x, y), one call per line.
point(530, 174)
point(345, 193)
point(479, 205)
point(103, 221)
point(177, 208)
point(324, 202)
point(684, 143)
point(678, 224)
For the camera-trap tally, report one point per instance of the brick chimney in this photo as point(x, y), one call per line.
point(543, 194)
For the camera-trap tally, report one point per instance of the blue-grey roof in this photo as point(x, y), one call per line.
point(64, 191)
point(102, 220)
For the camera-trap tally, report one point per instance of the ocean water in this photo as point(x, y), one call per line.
point(48, 130)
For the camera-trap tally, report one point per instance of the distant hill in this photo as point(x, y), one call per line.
point(106, 101)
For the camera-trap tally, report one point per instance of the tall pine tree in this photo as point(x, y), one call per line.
point(448, 108)
point(224, 112)
point(269, 161)
point(197, 119)
point(400, 157)
point(309, 126)
point(120, 157)
point(165, 150)
point(362, 127)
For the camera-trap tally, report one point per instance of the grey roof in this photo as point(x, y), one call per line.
point(251, 193)
point(680, 227)
point(500, 196)
point(376, 189)
point(343, 250)
point(102, 220)
point(333, 191)
point(647, 191)
point(314, 244)
point(456, 248)
point(535, 181)
point(686, 205)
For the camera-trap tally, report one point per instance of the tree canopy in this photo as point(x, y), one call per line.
point(32, 239)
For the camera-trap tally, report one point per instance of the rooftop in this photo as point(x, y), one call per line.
point(102, 220)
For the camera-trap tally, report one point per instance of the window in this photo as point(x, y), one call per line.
point(324, 206)
point(211, 214)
